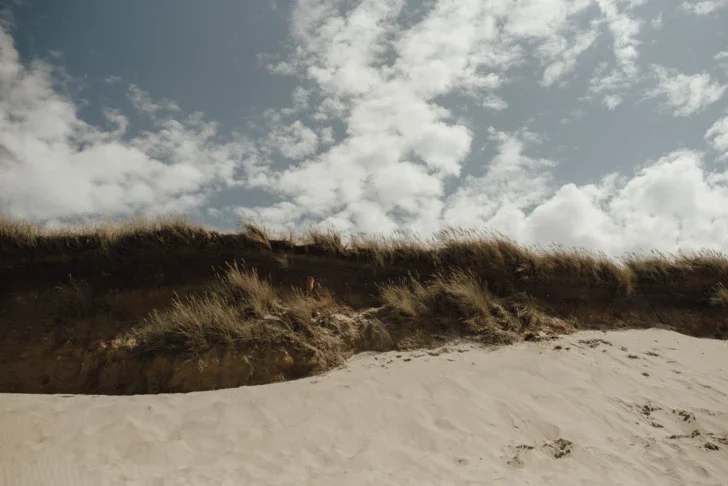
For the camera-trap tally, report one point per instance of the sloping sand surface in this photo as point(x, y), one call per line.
point(618, 408)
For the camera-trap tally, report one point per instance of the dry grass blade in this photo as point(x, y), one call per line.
point(300, 308)
point(465, 292)
point(170, 229)
point(410, 299)
point(257, 234)
point(719, 296)
point(192, 327)
point(246, 289)
point(328, 240)
point(386, 251)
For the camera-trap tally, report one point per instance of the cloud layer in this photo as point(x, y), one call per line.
point(372, 140)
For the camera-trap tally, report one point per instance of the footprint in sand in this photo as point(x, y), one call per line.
point(593, 343)
point(558, 448)
point(554, 448)
point(517, 454)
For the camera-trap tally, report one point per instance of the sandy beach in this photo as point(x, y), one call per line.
point(628, 408)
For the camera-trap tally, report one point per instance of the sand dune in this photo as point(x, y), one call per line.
point(626, 408)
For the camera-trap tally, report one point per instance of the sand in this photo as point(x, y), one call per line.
point(638, 408)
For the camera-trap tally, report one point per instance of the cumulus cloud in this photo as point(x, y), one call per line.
point(671, 203)
point(686, 94)
point(611, 82)
point(54, 165)
point(384, 82)
point(296, 141)
point(717, 137)
point(704, 7)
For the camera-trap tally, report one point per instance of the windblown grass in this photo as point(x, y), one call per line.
point(193, 326)
point(461, 302)
point(492, 256)
point(327, 240)
point(659, 266)
point(238, 308)
point(164, 230)
point(244, 289)
point(719, 296)
point(255, 233)
point(396, 249)
point(459, 295)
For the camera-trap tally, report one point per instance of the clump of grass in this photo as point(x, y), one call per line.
point(300, 307)
point(235, 310)
point(170, 229)
point(659, 266)
point(464, 293)
point(410, 299)
point(243, 288)
point(501, 259)
point(228, 314)
point(257, 234)
point(391, 250)
point(194, 326)
point(328, 240)
point(719, 296)
point(459, 295)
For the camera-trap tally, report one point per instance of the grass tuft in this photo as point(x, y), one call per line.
point(719, 296)
point(192, 327)
point(328, 240)
point(257, 234)
point(244, 289)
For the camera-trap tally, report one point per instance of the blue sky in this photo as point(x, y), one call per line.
point(594, 123)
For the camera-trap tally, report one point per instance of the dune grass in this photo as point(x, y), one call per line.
point(164, 230)
point(462, 302)
point(719, 296)
point(491, 255)
point(238, 308)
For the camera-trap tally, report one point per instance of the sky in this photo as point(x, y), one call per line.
point(599, 124)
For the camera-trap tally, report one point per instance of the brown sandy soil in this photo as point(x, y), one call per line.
point(641, 407)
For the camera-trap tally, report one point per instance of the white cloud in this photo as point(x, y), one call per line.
point(295, 141)
point(624, 27)
point(562, 54)
point(54, 165)
point(670, 204)
point(512, 182)
point(144, 103)
point(657, 22)
point(686, 94)
point(717, 137)
point(495, 103)
point(704, 7)
point(383, 82)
